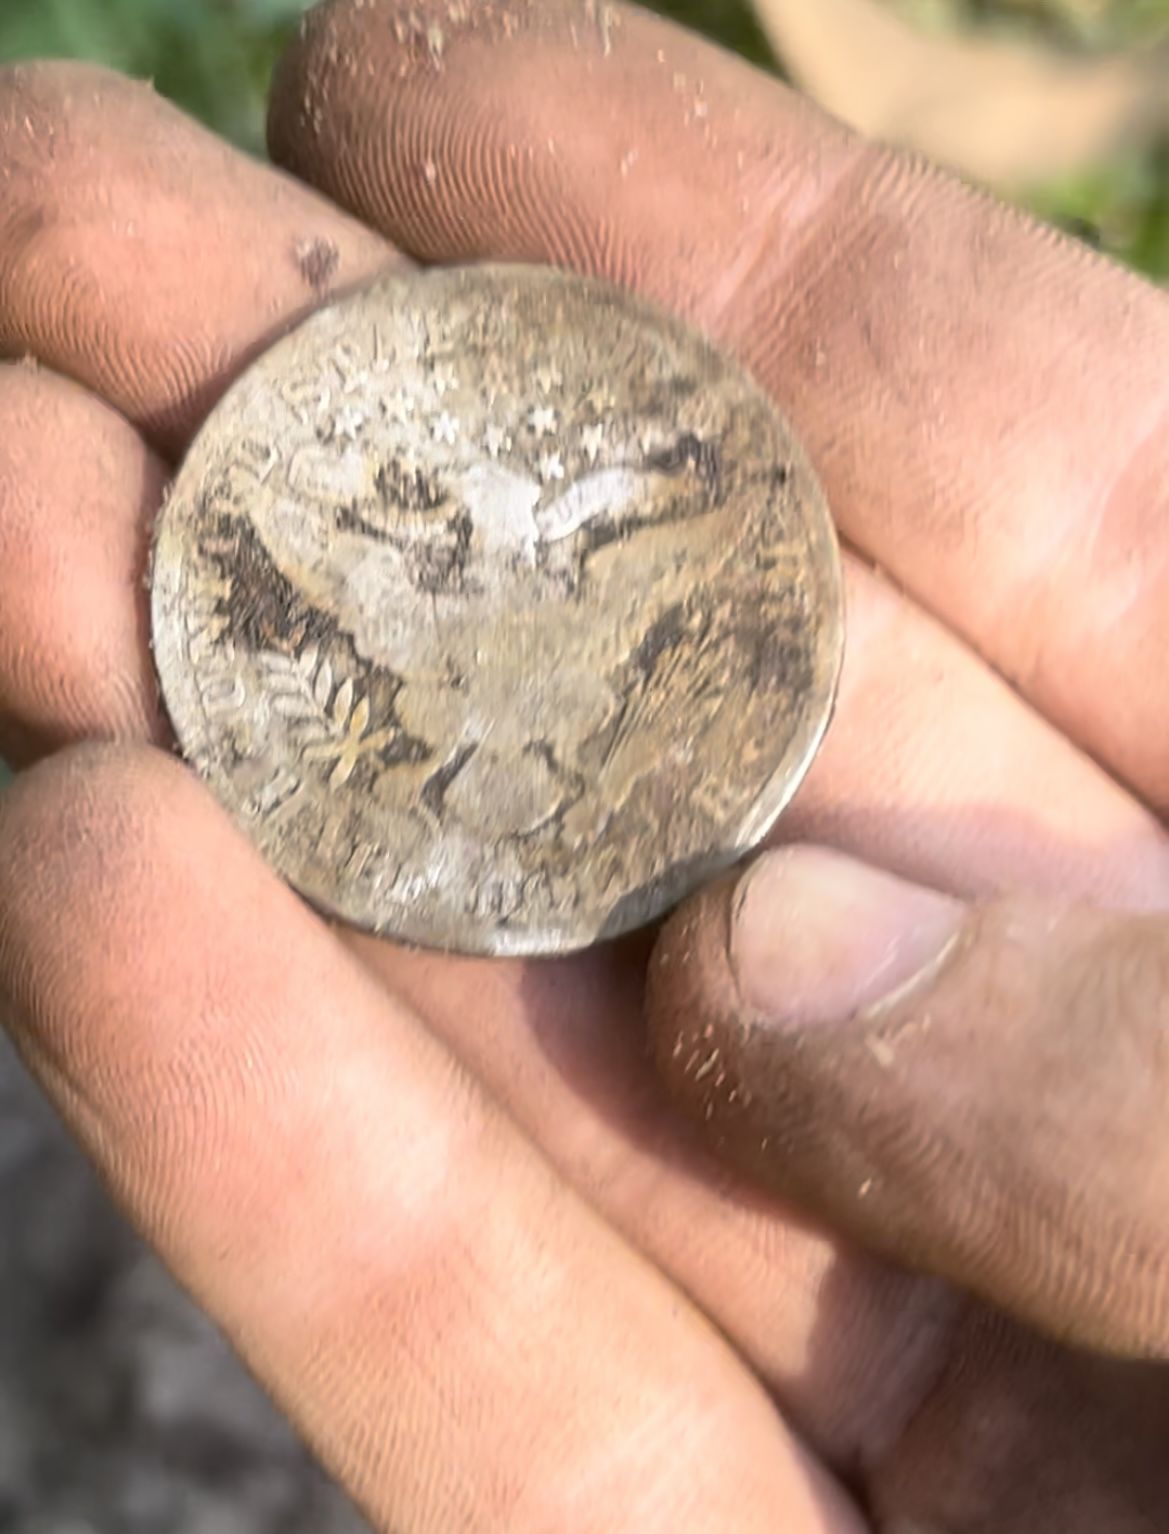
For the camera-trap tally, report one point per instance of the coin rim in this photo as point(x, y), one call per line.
point(745, 834)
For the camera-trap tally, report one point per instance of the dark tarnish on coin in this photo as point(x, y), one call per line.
point(499, 609)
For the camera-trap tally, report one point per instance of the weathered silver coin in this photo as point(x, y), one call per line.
point(498, 608)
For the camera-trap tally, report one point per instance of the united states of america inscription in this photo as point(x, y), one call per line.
point(499, 609)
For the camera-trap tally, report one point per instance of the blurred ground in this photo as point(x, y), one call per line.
point(121, 1410)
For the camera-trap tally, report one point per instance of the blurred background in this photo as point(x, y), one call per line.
point(121, 1409)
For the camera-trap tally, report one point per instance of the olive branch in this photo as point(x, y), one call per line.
point(328, 721)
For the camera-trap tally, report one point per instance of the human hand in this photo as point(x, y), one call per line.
point(304, 1121)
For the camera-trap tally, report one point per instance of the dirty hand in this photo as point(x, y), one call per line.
point(441, 1206)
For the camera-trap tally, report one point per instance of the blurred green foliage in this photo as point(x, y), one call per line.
point(214, 57)
point(1124, 208)
point(1089, 25)
point(730, 22)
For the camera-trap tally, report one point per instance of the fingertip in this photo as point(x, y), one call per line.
point(817, 937)
point(116, 861)
point(601, 138)
point(986, 1107)
point(142, 255)
point(79, 489)
point(802, 939)
point(51, 812)
point(80, 831)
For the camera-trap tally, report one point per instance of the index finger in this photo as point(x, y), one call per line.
point(987, 402)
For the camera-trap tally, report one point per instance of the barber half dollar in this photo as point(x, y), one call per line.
point(499, 609)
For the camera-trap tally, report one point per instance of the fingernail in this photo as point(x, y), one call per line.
point(817, 937)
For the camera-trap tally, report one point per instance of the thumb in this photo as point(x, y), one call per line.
point(979, 1091)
